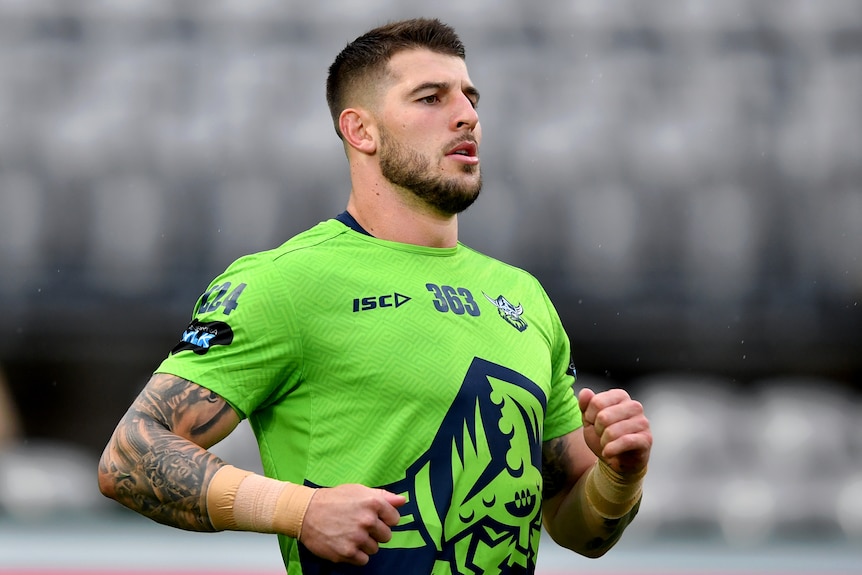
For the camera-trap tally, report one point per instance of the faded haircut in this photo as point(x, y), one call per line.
point(363, 62)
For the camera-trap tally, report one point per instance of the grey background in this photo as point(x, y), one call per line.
point(685, 177)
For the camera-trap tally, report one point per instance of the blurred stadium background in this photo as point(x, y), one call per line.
point(685, 177)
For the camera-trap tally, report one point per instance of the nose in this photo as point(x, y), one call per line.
point(465, 115)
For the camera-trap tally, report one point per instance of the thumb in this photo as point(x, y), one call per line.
point(390, 515)
point(393, 499)
point(585, 396)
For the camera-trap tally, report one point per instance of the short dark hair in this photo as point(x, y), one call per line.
point(368, 56)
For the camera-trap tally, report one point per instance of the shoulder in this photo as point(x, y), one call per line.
point(318, 235)
point(512, 278)
point(293, 251)
point(269, 275)
point(498, 266)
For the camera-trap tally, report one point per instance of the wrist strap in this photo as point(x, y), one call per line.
point(239, 500)
point(612, 494)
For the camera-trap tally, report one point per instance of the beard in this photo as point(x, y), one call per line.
point(406, 168)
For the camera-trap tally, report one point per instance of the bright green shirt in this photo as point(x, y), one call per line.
point(435, 373)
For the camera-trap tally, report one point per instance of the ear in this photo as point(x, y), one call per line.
point(357, 128)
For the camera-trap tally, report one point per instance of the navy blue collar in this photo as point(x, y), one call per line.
point(349, 221)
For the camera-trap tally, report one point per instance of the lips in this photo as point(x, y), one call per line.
point(468, 149)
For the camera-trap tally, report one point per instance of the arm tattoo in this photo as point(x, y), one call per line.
point(556, 479)
point(154, 458)
point(554, 465)
point(614, 529)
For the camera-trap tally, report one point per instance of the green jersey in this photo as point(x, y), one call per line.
point(435, 373)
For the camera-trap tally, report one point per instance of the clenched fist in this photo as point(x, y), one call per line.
point(616, 429)
point(348, 522)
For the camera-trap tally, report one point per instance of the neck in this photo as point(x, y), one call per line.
point(403, 224)
point(386, 214)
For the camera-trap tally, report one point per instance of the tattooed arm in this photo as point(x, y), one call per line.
point(567, 518)
point(156, 462)
point(592, 476)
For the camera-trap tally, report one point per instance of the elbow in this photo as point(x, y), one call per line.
point(107, 485)
point(591, 549)
point(578, 541)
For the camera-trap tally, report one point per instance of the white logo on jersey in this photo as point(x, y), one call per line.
point(511, 313)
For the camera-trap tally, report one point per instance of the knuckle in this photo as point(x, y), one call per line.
point(603, 419)
point(612, 434)
point(367, 521)
point(351, 554)
point(386, 537)
point(641, 423)
point(345, 548)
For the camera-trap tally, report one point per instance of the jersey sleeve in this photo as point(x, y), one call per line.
point(242, 342)
point(563, 413)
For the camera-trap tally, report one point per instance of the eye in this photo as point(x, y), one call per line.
point(432, 99)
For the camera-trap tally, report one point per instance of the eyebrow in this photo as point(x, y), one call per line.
point(470, 91)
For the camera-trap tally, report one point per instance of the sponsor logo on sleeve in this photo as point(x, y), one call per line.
point(200, 336)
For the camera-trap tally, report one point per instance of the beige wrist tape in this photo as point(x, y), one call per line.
point(240, 500)
point(611, 494)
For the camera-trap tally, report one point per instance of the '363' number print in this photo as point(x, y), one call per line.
point(455, 300)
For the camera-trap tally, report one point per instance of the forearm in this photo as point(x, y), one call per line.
point(156, 462)
point(159, 474)
point(590, 520)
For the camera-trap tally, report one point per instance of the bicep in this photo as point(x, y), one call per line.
point(186, 409)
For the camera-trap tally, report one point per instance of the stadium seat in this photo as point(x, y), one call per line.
point(835, 244)
point(721, 242)
point(848, 507)
point(40, 479)
point(604, 234)
point(247, 217)
point(800, 444)
point(24, 201)
point(113, 12)
point(848, 495)
point(127, 225)
point(598, 14)
point(818, 141)
point(797, 414)
point(28, 13)
point(802, 18)
point(694, 423)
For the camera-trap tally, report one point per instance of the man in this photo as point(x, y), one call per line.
point(412, 398)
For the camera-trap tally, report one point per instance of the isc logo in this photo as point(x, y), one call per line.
point(374, 302)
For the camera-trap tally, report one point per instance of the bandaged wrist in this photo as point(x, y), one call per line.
point(240, 500)
point(612, 494)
